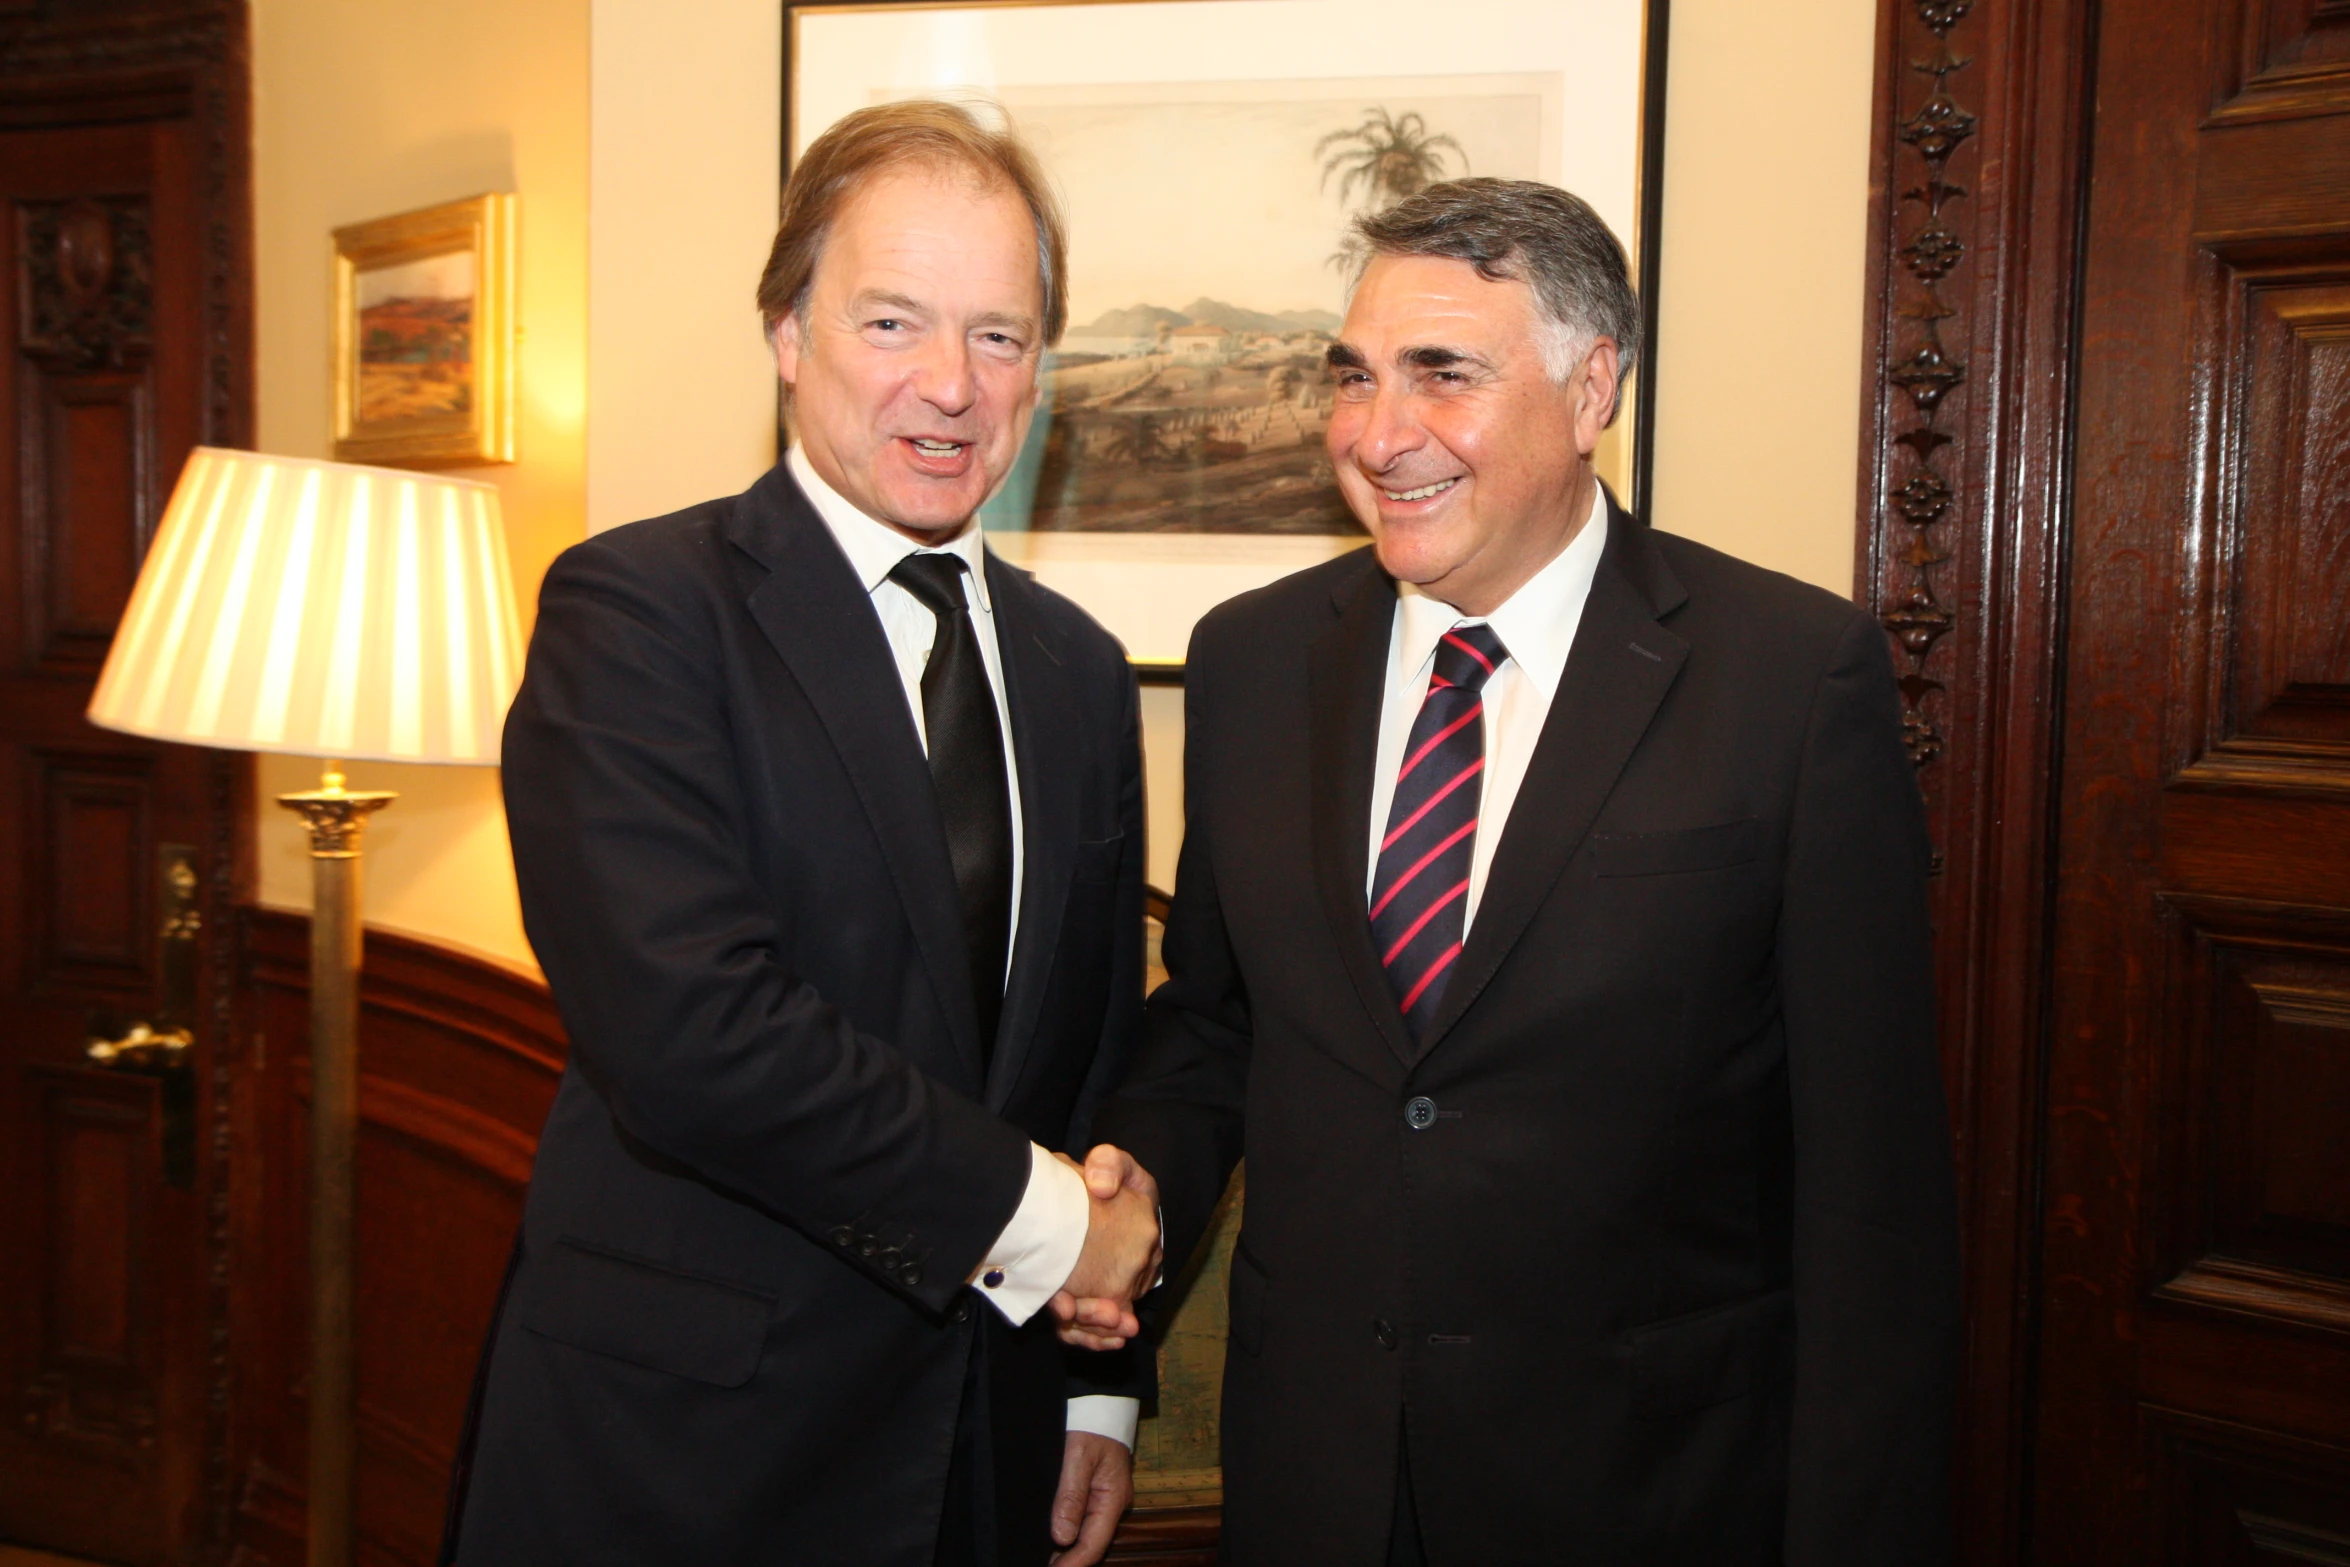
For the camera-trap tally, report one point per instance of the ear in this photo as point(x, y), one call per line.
point(1595, 386)
point(785, 339)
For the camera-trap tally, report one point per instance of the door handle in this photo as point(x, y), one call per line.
point(159, 1047)
point(142, 1047)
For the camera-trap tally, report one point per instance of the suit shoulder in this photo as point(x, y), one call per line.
point(1755, 598)
point(1285, 608)
point(656, 545)
point(669, 574)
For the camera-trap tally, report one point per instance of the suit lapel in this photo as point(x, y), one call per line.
point(1617, 675)
point(1346, 673)
point(821, 621)
point(1045, 746)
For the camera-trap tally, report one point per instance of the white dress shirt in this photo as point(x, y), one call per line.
point(1537, 625)
point(1038, 1250)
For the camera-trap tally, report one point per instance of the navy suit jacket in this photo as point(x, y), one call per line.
point(1648, 1242)
point(737, 1328)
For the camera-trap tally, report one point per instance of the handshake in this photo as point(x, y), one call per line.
point(1121, 1259)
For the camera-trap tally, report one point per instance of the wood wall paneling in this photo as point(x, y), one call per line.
point(458, 1064)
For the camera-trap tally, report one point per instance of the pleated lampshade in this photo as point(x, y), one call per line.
point(321, 609)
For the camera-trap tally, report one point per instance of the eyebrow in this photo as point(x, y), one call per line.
point(883, 299)
point(1345, 356)
point(1435, 357)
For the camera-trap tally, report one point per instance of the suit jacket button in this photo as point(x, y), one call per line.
point(842, 1235)
point(1384, 1332)
point(868, 1247)
point(961, 1313)
point(909, 1275)
point(1420, 1114)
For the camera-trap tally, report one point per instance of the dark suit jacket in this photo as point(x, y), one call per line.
point(738, 1329)
point(1670, 1274)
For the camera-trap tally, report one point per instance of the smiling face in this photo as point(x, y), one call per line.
point(914, 376)
point(1469, 465)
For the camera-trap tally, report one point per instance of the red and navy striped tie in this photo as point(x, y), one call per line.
point(1420, 898)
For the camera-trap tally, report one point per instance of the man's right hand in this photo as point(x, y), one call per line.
point(1121, 1259)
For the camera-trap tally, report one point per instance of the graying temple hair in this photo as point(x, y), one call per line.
point(1527, 232)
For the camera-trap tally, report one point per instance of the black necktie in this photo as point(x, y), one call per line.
point(1419, 898)
point(967, 766)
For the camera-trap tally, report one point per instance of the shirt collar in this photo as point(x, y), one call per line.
point(1537, 623)
point(874, 548)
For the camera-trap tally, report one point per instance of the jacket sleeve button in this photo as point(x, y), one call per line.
point(842, 1235)
point(909, 1275)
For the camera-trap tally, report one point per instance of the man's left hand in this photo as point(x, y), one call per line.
point(1097, 1483)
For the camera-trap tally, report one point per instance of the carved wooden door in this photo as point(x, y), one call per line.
point(113, 857)
point(2194, 1363)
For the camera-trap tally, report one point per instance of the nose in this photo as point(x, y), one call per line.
point(947, 378)
point(1383, 430)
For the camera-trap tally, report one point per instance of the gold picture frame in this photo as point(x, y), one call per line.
point(424, 336)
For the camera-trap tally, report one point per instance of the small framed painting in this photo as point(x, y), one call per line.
point(1210, 157)
point(424, 336)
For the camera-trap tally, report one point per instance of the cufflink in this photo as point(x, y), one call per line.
point(993, 1278)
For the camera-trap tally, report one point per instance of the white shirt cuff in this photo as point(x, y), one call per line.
point(1107, 1414)
point(1038, 1250)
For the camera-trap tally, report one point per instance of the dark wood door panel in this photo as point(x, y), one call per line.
point(87, 457)
point(2253, 1215)
point(2288, 339)
point(2265, 831)
point(2275, 181)
point(89, 908)
point(2231, 1496)
point(2297, 47)
point(123, 237)
point(2194, 1401)
point(102, 1336)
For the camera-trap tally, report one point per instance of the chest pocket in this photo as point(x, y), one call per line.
point(1677, 851)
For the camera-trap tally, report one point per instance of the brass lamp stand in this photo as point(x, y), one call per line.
point(337, 818)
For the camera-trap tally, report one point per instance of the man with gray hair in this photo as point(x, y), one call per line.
point(1550, 934)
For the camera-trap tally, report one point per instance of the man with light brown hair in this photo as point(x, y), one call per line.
point(828, 827)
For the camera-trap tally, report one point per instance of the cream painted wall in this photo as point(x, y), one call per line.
point(687, 139)
point(359, 112)
point(1765, 236)
point(647, 165)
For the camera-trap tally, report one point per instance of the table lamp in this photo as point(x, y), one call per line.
point(335, 611)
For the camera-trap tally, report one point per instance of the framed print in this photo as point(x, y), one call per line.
point(424, 336)
point(1210, 155)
